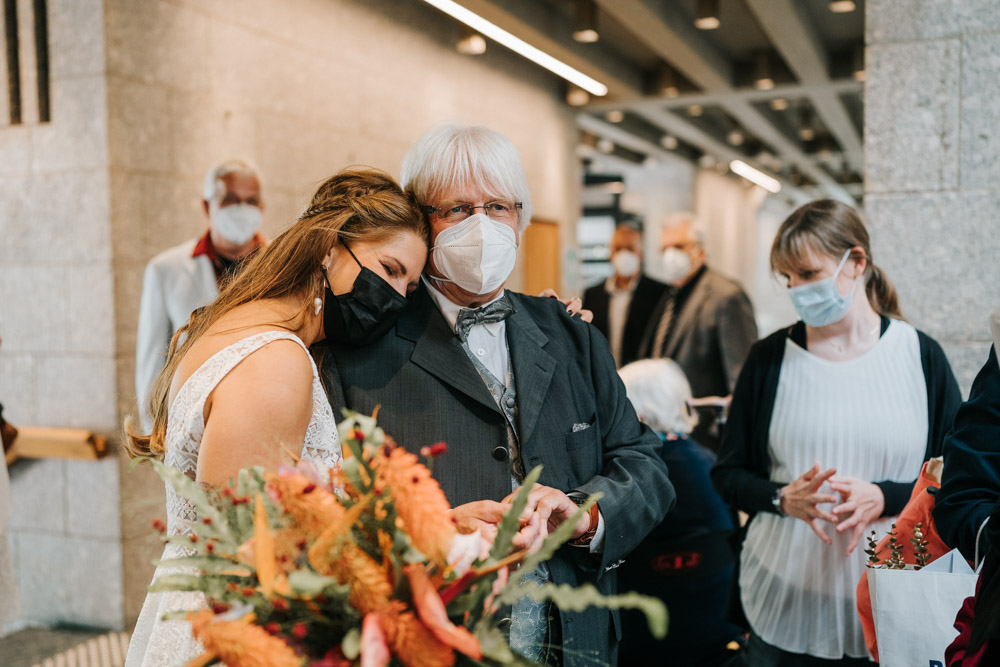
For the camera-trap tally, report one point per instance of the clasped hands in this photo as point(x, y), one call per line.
point(547, 508)
point(860, 503)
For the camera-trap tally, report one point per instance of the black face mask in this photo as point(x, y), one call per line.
point(364, 314)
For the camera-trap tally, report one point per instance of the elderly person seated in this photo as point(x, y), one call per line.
point(686, 561)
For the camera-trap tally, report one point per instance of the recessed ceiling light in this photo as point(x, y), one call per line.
point(707, 16)
point(585, 30)
point(615, 116)
point(669, 142)
point(842, 6)
point(779, 104)
point(577, 96)
point(695, 110)
point(472, 44)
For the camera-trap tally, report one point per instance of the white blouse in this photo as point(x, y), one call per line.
point(867, 418)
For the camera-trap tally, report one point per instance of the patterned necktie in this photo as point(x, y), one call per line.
point(497, 311)
point(663, 327)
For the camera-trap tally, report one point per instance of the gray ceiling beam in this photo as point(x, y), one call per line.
point(797, 42)
point(662, 27)
point(683, 130)
point(547, 29)
point(673, 38)
point(788, 91)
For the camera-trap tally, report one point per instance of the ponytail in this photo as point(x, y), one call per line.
point(882, 294)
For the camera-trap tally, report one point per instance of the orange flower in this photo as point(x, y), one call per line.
point(432, 613)
point(239, 643)
point(327, 544)
point(370, 585)
point(288, 543)
point(412, 642)
point(420, 502)
point(312, 507)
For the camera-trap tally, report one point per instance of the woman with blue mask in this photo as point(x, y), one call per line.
point(830, 423)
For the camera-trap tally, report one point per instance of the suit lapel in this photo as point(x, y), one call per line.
point(438, 350)
point(698, 297)
point(533, 367)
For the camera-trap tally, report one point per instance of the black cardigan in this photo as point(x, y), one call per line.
point(742, 473)
point(970, 483)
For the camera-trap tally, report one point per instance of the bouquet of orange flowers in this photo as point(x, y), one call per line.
point(362, 565)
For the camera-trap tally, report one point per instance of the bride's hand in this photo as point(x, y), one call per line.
point(801, 497)
point(862, 501)
point(574, 306)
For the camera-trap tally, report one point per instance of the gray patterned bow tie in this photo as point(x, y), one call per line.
point(497, 311)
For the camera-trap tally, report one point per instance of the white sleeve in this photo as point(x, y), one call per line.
point(152, 339)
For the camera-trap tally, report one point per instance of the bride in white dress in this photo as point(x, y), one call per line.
point(242, 388)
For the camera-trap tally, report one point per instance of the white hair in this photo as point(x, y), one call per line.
point(214, 188)
point(659, 390)
point(687, 219)
point(450, 156)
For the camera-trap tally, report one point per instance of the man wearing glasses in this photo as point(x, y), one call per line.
point(510, 382)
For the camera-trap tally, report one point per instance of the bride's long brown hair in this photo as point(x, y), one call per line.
point(356, 204)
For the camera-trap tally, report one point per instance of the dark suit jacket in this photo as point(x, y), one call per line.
point(564, 376)
point(709, 340)
point(646, 296)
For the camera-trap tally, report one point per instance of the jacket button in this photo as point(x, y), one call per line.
point(509, 401)
point(500, 453)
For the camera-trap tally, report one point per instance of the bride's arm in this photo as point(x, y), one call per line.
point(258, 411)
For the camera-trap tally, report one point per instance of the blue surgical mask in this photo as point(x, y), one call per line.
point(820, 303)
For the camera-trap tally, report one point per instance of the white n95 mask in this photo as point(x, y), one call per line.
point(237, 223)
point(626, 263)
point(676, 264)
point(477, 254)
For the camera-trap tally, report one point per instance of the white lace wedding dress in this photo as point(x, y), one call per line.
point(159, 643)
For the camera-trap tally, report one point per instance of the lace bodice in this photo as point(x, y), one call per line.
point(156, 642)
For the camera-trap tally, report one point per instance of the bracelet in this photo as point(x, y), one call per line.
point(776, 501)
point(588, 536)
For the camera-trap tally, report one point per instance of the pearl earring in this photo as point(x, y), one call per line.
point(318, 304)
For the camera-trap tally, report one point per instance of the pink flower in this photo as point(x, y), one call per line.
point(374, 650)
point(432, 613)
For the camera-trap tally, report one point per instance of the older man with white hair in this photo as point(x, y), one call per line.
point(188, 276)
point(704, 321)
point(510, 382)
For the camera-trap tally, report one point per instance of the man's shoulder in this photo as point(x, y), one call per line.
point(722, 285)
point(548, 313)
point(178, 254)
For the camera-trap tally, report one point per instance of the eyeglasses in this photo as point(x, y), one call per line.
point(500, 210)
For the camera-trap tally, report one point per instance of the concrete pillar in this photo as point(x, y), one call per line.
point(932, 176)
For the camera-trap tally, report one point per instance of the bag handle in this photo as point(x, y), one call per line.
point(979, 533)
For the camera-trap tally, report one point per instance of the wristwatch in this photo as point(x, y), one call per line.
point(776, 501)
point(587, 537)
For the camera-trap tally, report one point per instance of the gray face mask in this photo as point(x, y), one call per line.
point(820, 303)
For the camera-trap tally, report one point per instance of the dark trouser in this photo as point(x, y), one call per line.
point(761, 654)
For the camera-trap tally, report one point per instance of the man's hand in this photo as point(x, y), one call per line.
point(482, 515)
point(863, 502)
point(550, 507)
point(574, 306)
point(801, 497)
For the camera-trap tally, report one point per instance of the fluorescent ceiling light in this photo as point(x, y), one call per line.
point(755, 176)
point(842, 6)
point(518, 45)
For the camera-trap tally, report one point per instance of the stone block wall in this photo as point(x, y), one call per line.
point(57, 362)
point(932, 173)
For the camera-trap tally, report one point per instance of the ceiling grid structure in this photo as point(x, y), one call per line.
point(777, 84)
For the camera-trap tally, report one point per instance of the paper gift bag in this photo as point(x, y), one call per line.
point(915, 610)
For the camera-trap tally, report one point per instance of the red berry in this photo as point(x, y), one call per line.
point(273, 628)
point(193, 538)
point(219, 607)
point(280, 604)
point(309, 488)
point(438, 448)
point(159, 526)
point(299, 631)
point(210, 547)
point(247, 591)
point(207, 521)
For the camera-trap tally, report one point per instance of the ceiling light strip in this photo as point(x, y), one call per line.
point(755, 176)
point(498, 34)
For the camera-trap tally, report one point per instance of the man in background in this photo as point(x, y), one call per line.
point(623, 304)
point(704, 321)
point(188, 276)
